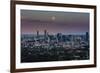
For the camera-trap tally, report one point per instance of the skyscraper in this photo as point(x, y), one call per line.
point(37, 33)
point(59, 36)
point(87, 36)
point(45, 33)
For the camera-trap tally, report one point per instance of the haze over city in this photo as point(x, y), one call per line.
point(54, 22)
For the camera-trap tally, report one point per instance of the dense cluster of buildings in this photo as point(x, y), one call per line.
point(47, 47)
point(57, 40)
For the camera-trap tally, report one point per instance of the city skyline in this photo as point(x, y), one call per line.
point(54, 22)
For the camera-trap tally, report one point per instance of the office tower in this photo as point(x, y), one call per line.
point(45, 33)
point(87, 36)
point(59, 36)
point(37, 33)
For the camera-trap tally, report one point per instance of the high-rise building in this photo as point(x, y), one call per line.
point(45, 33)
point(59, 36)
point(37, 33)
point(87, 36)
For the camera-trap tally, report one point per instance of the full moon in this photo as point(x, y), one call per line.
point(53, 18)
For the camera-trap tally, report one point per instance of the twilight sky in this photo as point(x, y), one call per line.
point(54, 22)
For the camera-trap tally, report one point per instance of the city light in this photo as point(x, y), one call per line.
point(56, 47)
